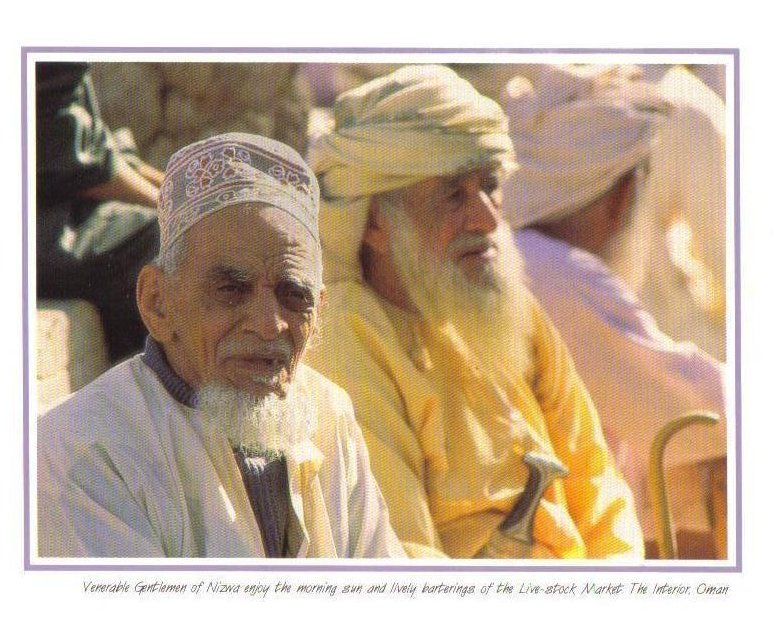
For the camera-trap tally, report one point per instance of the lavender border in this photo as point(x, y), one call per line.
point(563, 568)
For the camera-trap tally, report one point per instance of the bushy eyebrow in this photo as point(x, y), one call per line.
point(234, 274)
point(448, 183)
point(228, 272)
point(299, 282)
point(305, 285)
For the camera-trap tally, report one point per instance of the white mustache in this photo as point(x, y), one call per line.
point(471, 242)
point(280, 350)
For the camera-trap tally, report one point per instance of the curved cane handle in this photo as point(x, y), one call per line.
point(666, 533)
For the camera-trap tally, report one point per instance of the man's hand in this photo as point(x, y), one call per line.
point(129, 185)
point(155, 176)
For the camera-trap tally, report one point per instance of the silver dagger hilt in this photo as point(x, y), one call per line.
point(543, 470)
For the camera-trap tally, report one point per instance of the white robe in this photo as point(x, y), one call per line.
point(124, 470)
point(637, 376)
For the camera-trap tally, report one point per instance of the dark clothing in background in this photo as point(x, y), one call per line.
point(86, 249)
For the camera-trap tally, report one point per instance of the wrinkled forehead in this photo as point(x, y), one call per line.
point(255, 238)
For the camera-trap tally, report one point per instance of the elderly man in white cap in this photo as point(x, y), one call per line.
point(217, 441)
point(584, 137)
point(481, 435)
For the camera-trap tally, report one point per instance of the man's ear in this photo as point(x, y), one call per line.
point(376, 235)
point(152, 293)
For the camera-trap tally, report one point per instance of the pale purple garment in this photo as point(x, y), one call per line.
point(637, 377)
point(265, 480)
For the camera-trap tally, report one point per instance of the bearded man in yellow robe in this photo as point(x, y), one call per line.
point(481, 435)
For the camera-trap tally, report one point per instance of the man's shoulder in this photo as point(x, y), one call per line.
point(353, 297)
point(560, 272)
point(354, 324)
point(117, 378)
point(108, 405)
point(547, 256)
point(326, 392)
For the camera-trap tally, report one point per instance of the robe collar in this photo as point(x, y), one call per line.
point(155, 358)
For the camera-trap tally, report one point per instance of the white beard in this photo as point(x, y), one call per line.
point(492, 316)
point(265, 425)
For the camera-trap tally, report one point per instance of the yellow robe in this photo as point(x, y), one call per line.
point(446, 443)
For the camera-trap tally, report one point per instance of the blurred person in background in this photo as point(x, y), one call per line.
point(96, 218)
point(585, 136)
point(684, 285)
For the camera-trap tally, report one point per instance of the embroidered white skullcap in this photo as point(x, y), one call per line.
point(576, 130)
point(233, 169)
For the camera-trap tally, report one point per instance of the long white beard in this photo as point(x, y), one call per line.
point(492, 316)
point(266, 425)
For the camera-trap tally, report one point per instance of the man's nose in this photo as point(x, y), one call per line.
point(264, 315)
point(482, 213)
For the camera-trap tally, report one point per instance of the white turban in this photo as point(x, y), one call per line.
point(576, 130)
point(233, 169)
point(395, 131)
